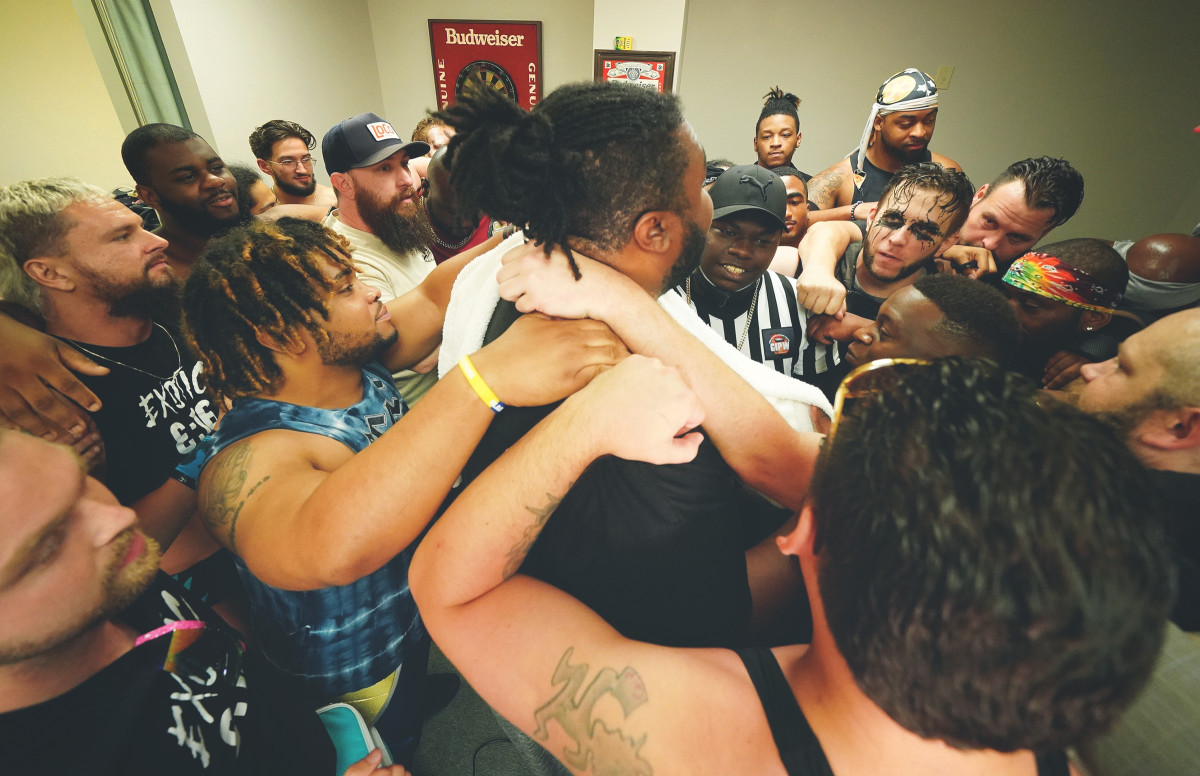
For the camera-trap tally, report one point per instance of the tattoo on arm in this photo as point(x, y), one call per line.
point(598, 749)
point(222, 500)
point(517, 553)
point(823, 189)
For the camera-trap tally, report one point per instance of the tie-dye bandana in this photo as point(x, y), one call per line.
point(1053, 278)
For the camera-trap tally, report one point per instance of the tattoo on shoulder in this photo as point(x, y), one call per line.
point(598, 750)
point(823, 188)
point(516, 554)
point(225, 492)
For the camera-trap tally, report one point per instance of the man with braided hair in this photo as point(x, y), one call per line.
point(898, 131)
point(777, 133)
point(615, 173)
point(319, 478)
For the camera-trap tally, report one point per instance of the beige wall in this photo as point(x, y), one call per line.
point(401, 32)
point(1112, 86)
point(309, 61)
point(56, 117)
point(656, 26)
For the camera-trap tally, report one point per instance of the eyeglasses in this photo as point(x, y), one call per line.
point(289, 163)
point(870, 378)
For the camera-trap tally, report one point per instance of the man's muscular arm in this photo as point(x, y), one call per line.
point(539, 656)
point(818, 289)
point(304, 512)
point(751, 435)
point(832, 187)
point(420, 313)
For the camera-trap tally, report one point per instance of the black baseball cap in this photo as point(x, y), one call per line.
point(749, 187)
point(362, 141)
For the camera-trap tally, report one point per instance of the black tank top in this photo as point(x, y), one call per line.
point(874, 180)
point(799, 749)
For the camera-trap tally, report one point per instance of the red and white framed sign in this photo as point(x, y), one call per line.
point(648, 69)
point(503, 56)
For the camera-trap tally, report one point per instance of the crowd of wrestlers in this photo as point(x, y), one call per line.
point(683, 465)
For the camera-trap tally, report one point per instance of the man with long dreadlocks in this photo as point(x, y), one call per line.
point(319, 479)
point(897, 133)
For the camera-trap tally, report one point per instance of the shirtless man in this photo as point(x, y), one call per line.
point(958, 632)
point(898, 132)
point(284, 151)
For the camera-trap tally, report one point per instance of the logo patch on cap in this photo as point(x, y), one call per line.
point(381, 130)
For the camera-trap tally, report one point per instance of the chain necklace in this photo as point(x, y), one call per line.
point(687, 285)
point(178, 357)
point(438, 239)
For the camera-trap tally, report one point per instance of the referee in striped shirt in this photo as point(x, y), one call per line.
point(732, 291)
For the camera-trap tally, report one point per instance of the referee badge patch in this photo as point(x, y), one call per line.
point(777, 343)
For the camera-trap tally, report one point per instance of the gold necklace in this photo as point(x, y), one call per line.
point(687, 286)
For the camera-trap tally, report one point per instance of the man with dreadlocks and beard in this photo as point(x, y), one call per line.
point(380, 214)
point(319, 479)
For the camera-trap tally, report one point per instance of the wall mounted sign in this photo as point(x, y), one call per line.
point(503, 56)
point(648, 69)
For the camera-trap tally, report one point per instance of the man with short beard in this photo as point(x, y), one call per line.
point(105, 287)
point(80, 690)
point(897, 133)
point(381, 214)
point(179, 175)
point(283, 151)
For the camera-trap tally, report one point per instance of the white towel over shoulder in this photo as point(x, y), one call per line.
point(476, 294)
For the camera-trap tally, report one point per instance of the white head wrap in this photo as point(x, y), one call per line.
point(907, 90)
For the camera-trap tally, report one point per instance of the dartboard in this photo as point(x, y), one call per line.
point(483, 73)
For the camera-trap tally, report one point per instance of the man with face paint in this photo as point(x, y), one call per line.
point(897, 133)
point(380, 212)
point(917, 219)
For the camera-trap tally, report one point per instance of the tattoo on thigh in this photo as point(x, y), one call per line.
point(222, 499)
point(516, 554)
point(598, 749)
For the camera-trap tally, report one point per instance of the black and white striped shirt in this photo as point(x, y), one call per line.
point(776, 336)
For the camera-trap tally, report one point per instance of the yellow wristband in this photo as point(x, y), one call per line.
point(482, 390)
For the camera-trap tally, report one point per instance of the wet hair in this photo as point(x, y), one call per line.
point(977, 316)
point(139, 142)
point(1095, 257)
point(583, 165)
point(268, 277)
point(776, 102)
point(952, 187)
point(996, 580)
point(246, 176)
point(264, 138)
point(1049, 183)
point(32, 224)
